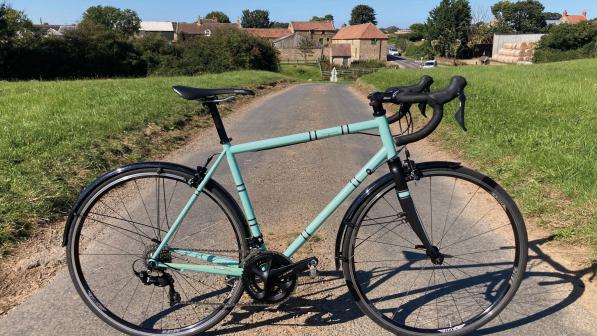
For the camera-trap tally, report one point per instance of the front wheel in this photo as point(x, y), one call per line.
point(118, 224)
point(475, 225)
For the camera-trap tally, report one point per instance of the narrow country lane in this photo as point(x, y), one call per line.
point(289, 186)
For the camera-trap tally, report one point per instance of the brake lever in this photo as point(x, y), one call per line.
point(423, 106)
point(423, 109)
point(459, 116)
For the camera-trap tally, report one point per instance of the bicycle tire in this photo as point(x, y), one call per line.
point(374, 307)
point(85, 218)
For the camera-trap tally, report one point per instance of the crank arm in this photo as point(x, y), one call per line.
point(298, 266)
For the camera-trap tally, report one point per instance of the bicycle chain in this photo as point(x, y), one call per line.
point(228, 305)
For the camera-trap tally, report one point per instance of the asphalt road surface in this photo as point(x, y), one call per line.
point(288, 187)
point(405, 63)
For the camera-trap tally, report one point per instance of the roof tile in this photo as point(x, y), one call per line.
point(360, 32)
point(313, 25)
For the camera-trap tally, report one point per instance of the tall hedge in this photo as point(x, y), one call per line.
point(567, 41)
point(224, 50)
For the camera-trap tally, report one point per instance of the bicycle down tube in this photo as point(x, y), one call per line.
point(227, 266)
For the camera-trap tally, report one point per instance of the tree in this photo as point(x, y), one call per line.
point(122, 21)
point(390, 29)
point(552, 16)
point(255, 19)
point(418, 31)
point(448, 26)
point(362, 14)
point(15, 29)
point(328, 17)
point(525, 16)
point(276, 24)
point(306, 46)
point(219, 16)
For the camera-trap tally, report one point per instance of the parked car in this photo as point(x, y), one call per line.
point(392, 51)
point(430, 64)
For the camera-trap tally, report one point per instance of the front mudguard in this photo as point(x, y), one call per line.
point(364, 197)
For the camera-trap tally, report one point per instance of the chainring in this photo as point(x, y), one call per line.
point(258, 283)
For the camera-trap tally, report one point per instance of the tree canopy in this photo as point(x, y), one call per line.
point(122, 21)
point(328, 17)
point(258, 18)
point(217, 15)
point(525, 16)
point(362, 14)
point(448, 26)
point(418, 31)
point(552, 16)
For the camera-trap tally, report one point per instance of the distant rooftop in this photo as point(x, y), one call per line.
point(312, 25)
point(157, 26)
point(362, 31)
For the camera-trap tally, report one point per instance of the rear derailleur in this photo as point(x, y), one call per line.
point(159, 278)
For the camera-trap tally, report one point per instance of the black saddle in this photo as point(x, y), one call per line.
point(190, 93)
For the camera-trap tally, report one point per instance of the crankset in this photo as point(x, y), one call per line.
point(271, 277)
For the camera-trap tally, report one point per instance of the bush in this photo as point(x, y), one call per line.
point(419, 50)
point(567, 42)
point(546, 55)
point(367, 64)
point(569, 37)
point(225, 50)
point(88, 52)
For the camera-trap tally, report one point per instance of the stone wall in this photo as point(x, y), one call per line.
point(293, 54)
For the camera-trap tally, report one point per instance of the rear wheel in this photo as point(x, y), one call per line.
point(122, 221)
point(474, 224)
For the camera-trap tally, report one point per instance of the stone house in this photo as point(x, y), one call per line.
point(203, 27)
point(320, 32)
point(573, 19)
point(365, 42)
point(162, 28)
point(271, 34)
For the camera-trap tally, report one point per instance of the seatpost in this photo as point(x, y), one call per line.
point(215, 114)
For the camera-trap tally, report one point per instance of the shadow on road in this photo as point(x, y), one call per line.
point(545, 291)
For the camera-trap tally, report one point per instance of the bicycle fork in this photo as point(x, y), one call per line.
point(408, 206)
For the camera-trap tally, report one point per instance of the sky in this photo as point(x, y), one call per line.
point(400, 13)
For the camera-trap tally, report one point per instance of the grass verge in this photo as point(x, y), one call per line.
point(533, 128)
point(57, 136)
point(306, 72)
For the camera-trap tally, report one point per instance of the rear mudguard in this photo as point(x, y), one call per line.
point(75, 211)
point(364, 197)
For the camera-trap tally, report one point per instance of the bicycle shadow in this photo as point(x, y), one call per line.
point(542, 294)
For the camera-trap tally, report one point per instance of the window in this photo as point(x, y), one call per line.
point(374, 41)
point(321, 41)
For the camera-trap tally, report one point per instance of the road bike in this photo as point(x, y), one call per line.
point(429, 248)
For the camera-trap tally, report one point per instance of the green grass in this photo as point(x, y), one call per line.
point(302, 71)
point(533, 128)
point(57, 136)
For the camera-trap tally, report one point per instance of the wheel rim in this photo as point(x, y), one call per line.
point(119, 227)
point(416, 295)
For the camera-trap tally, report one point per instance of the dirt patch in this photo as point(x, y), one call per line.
point(34, 262)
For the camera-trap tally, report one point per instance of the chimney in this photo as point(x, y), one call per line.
point(565, 13)
point(584, 13)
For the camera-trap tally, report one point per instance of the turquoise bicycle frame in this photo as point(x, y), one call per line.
point(226, 266)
